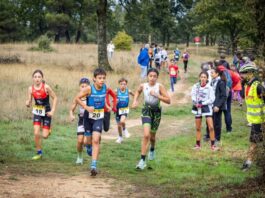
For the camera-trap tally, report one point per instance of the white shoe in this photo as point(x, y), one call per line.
point(79, 161)
point(119, 140)
point(151, 155)
point(141, 165)
point(126, 133)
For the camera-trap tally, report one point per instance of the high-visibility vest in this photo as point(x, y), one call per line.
point(255, 105)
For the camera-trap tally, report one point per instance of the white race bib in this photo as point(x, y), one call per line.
point(173, 72)
point(97, 114)
point(124, 110)
point(38, 110)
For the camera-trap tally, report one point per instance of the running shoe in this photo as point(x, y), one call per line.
point(141, 165)
point(245, 166)
point(79, 161)
point(119, 140)
point(197, 147)
point(126, 133)
point(93, 172)
point(89, 150)
point(214, 148)
point(151, 155)
point(249, 125)
point(37, 157)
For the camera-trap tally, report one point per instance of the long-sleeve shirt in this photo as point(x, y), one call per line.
point(111, 93)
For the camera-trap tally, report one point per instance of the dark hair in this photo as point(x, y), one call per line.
point(220, 73)
point(37, 71)
point(172, 60)
point(99, 71)
point(84, 80)
point(123, 80)
point(204, 72)
point(222, 56)
point(252, 58)
point(153, 70)
point(216, 62)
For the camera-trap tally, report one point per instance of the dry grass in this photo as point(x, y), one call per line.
point(62, 71)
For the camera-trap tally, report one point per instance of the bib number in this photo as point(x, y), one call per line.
point(38, 110)
point(97, 114)
point(173, 72)
point(123, 110)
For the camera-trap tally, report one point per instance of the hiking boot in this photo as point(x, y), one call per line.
point(151, 155)
point(141, 165)
point(126, 133)
point(79, 161)
point(246, 166)
point(119, 140)
point(36, 157)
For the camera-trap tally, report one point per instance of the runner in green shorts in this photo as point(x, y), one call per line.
point(151, 113)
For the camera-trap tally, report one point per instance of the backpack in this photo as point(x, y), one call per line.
point(229, 82)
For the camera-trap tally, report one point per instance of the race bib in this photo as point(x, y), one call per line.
point(123, 110)
point(97, 114)
point(173, 72)
point(38, 110)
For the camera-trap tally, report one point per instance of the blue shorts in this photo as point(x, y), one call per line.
point(92, 125)
point(118, 117)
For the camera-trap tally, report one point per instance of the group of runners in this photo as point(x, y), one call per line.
point(94, 113)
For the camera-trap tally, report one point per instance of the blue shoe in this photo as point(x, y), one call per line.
point(89, 150)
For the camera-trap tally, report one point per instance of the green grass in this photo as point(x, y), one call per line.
point(178, 171)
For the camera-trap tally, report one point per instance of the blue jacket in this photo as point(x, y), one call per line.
point(143, 58)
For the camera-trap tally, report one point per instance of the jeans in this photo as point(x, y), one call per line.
point(227, 113)
point(173, 80)
point(143, 71)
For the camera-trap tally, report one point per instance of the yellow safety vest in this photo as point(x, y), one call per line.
point(255, 105)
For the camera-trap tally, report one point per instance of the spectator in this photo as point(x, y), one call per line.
point(143, 60)
point(110, 49)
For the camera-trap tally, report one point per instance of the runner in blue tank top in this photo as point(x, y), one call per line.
point(94, 112)
point(122, 108)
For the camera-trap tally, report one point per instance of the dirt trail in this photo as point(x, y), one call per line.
point(58, 185)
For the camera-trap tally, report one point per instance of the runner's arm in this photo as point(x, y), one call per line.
point(84, 93)
point(72, 109)
point(136, 96)
point(29, 100)
point(131, 93)
point(54, 100)
point(114, 98)
point(163, 96)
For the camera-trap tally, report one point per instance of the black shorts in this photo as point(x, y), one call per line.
point(80, 125)
point(92, 125)
point(256, 133)
point(152, 117)
point(43, 121)
point(118, 117)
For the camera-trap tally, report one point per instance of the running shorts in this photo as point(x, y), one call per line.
point(80, 125)
point(151, 116)
point(43, 121)
point(91, 125)
point(256, 133)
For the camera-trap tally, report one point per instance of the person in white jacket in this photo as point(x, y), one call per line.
point(203, 96)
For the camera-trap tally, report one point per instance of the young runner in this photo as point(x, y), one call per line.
point(173, 73)
point(202, 95)
point(42, 111)
point(254, 97)
point(122, 108)
point(153, 92)
point(81, 138)
point(94, 112)
point(185, 58)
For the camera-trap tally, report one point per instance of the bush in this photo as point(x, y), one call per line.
point(44, 44)
point(123, 41)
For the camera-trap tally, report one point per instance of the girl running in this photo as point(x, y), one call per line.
point(81, 139)
point(122, 108)
point(151, 113)
point(202, 95)
point(42, 111)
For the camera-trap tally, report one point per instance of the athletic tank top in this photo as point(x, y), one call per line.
point(41, 97)
point(123, 98)
point(97, 97)
point(149, 99)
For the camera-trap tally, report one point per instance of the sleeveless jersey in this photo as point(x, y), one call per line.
point(148, 98)
point(123, 98)
point(41, 97)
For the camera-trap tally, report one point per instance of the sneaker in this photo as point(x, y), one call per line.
point(126, 133)
point(89, 150)
point(141, 165)
point(214, 148)
point(93, 172)
point(151, 155)
point(37, 157)
point(79, 161)
point(218, 143)
point(206, 139)
point(119, 140)
point(245, 166)
point(197, 147)
point(249, 125)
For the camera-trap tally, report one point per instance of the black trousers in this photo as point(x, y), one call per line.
point(185, 65)
point(217, 124)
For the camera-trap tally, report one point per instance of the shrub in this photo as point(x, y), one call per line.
point(123, 41)
point(44, 44)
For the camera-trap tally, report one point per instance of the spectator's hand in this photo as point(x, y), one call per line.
point(216, 109)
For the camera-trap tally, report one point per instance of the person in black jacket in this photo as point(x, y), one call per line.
point(219, 86)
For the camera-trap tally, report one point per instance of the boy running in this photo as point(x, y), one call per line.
point(151, 113)
point(94, 112)
point(81, 138)
point(42, 111)
point(173, 73)
point(122, 108)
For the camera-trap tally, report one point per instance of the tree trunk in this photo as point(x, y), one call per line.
point(57, 37)
point(102, 40)
point(67, 37)
point(78, 35)
point(207, 39)
point(168, 38)
point(188, 40)
point(163, 38)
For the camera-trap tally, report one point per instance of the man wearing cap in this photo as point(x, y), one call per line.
point(254, 97)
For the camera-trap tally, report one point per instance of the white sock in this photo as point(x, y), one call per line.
point(248, 162)
point(79, 154)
